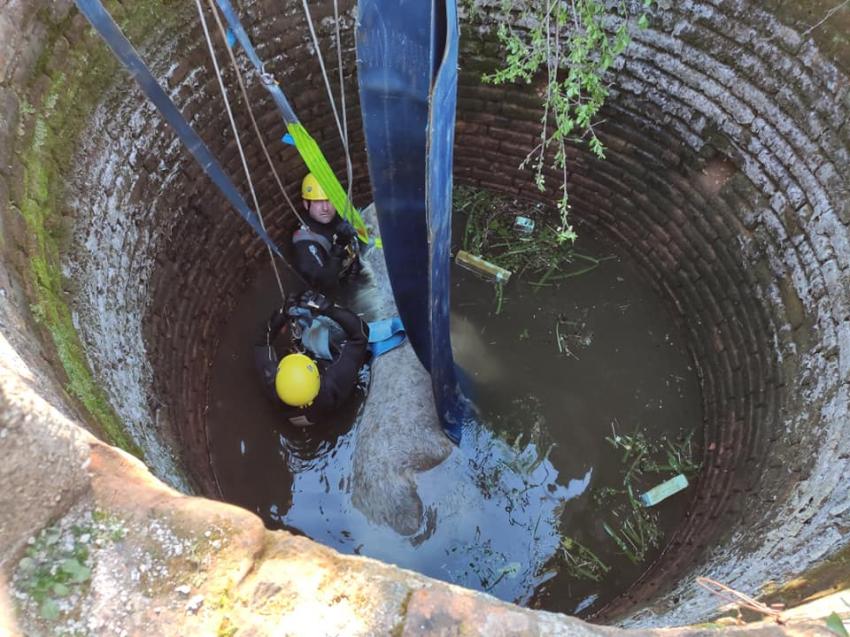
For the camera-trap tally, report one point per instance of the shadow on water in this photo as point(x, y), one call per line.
point(497, 508)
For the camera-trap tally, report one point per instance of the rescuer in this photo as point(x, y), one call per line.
point(325, 247)
point(327, 357)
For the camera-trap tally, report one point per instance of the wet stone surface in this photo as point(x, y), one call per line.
point(557, 371)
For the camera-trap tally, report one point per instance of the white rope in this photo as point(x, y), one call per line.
point(342, 134)
point(247, 101)
point(348, 168)
point(238, 142)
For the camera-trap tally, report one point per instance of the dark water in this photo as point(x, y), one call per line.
point(496, 509)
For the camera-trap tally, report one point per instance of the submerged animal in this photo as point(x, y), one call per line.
point(398, 433)
point(484, 514)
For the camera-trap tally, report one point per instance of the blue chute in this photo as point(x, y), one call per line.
point(394, 70)
point(407, 67)
point(452, 407)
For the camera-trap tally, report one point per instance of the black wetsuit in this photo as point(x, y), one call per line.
point(338, 377)
point(324, 252)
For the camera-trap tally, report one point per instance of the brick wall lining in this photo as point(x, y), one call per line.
point(726, 172)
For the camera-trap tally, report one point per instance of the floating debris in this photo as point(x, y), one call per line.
point(524, 227)
point(482, 267)
point(629, 525)
point(504, 239)
point(586, 603)
point(664, 490)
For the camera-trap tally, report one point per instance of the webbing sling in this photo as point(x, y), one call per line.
point(306, 145)
point(385, 335)
point(452, 407)
point(409, 146)
point(104, 24)
point(394, 71)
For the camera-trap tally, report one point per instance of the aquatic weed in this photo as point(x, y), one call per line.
point(636, 533)
point(634, 528)
point(489, 233)
point(580, 562)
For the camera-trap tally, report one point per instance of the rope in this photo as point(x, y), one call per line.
point(343, 134)
point(238, 142)
point(247, 101)
point(124, 52)
point(306, 145)
point(349, 171)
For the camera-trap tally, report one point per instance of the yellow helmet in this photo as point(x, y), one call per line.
point(297, 380)
point(311, 189)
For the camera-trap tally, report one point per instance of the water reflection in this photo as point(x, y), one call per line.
point(550, 373)
point(492, 513)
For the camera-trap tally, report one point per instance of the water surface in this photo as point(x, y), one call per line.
point(497, 508)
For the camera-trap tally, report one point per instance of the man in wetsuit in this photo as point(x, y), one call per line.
point(310, 386)
point(325, 247)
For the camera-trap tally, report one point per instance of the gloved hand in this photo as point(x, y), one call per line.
point(356, 267)
point(338, 251)
point(315, 302)
point(346, 231)
point(364, 377)
point(276, 321)
point(364, 374)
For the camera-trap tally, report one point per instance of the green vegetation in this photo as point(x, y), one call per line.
point(834, 624)
point(580, 562)
point(57, 563)
point(636, 533)
point(632, 528)
point(47, 139)
point(642, 456)
point(489, 233)
point(571, 45)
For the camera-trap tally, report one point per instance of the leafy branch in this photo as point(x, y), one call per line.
point(575, 42)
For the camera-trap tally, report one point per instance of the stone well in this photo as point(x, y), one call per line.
point(726, 178)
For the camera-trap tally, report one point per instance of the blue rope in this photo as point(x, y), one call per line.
point(104, 24)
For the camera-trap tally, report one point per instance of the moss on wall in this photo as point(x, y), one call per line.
point(47, 144)
point(827, 577)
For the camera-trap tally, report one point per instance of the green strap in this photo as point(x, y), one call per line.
point(306, 145)
point(318, 165)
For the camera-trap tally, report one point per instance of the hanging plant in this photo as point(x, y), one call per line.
point(573, 43)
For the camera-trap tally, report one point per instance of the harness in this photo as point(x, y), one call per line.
point(305, 234)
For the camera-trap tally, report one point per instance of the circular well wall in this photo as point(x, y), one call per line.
point(726, 178)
